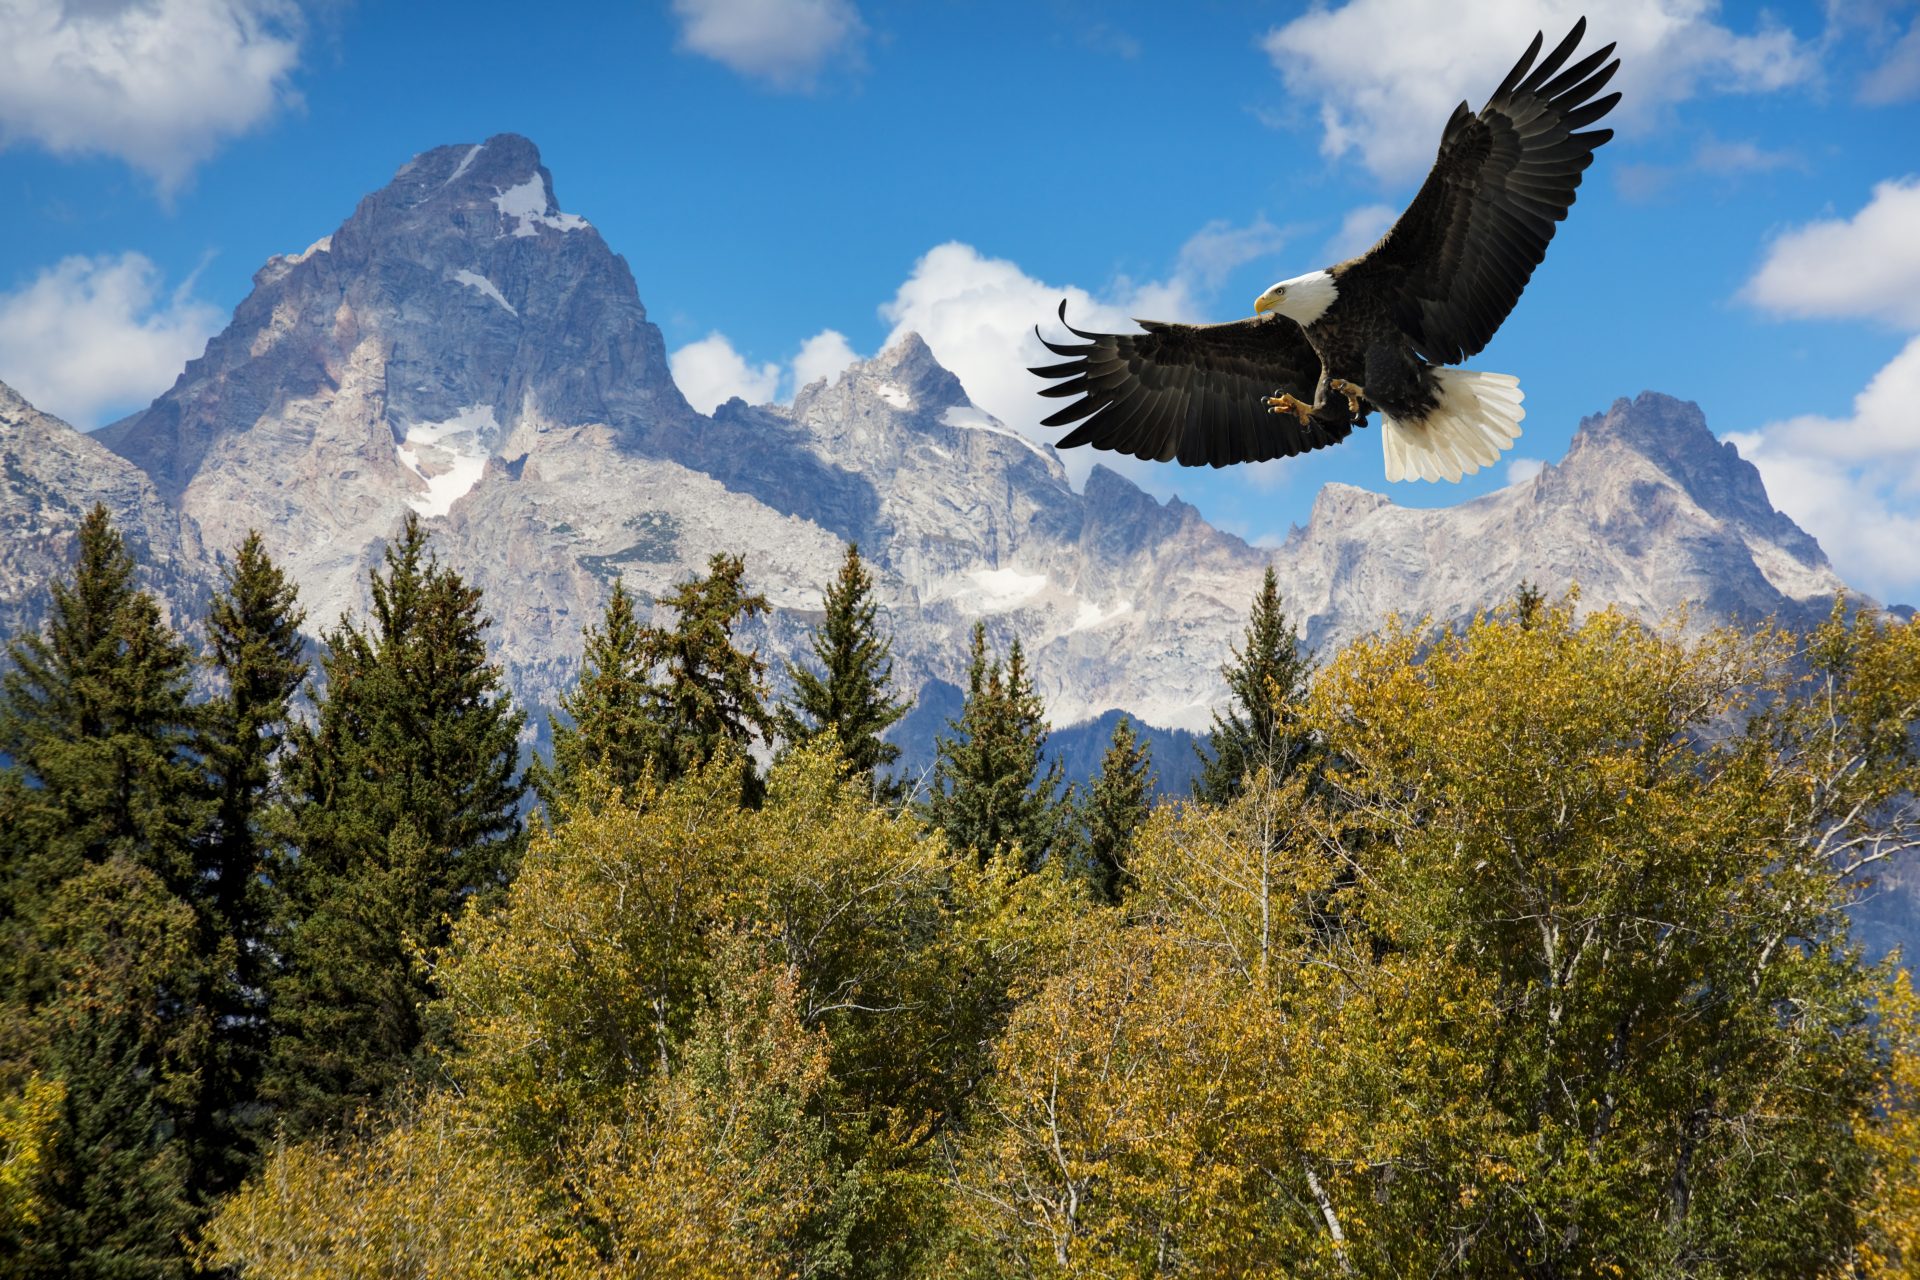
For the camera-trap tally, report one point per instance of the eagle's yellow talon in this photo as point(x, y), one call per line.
point(1352, 392)
point(1288, 404)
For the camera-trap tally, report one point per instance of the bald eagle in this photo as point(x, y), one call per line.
point(1325, 349)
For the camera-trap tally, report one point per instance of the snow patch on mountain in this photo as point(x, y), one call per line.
point(526, 204)
point(998, 590)
point(449, 457)
point(1091, 615)
point(972, 419)
point(474, 280)
point(894, 394)
point(465, 162)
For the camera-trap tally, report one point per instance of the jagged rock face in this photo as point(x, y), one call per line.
point(435, 333)
point(462, 348)
point(50, 476)
point(1647, 510)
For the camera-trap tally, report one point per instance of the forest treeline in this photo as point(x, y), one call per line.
point(1516, 949)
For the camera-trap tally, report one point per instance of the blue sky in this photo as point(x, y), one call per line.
point(795, 181)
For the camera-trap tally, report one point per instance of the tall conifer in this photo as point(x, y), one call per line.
point(608, 724)
point(94, 716)
point(851, 692)
point(1118, 804)
point(989, 790)
point(255, 646)
point(104, 976)
point(706, 694)
point(403, 800)
point(1267, 674)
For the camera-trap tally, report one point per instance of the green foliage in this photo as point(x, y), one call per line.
point(402, 810)
point(126, 1049)
point(609, 728)
point(988, 791)
point(708, 696)
point(1115, 808)
point(850, 695)
point(662, 701)
point(1267, 677)
point(104, 981)
point(95, 718)
point(254, 642)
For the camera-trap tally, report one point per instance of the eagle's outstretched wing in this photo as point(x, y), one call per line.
point(1467, 245)
point(1191, 393)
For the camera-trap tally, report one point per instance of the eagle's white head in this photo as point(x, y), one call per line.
point(1302, 299)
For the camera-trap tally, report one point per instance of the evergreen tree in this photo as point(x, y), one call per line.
point(851, 693)
point(253, 632)
point(988, 788)
point(95, 719)
point(1528, 602)
point(608, 723)
point(403, 808)
point(1266, 676)
point(1121, 797)
point(128, 1050)
point(706, 694)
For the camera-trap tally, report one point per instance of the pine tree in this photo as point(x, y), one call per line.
point(706, 695)
point(95, 719)
point(253, 632)
point(1117, 806)
point(403, 809)
point(851, 693)
point(129, 1052)
point(988, 789)
point(608, 725)
point(1266, 676)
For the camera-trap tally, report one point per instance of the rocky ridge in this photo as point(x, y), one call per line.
point(463, 348)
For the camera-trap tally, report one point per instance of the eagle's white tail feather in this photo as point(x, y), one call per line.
point(1478, 416)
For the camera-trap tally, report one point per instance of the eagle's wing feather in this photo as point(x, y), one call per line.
point(1189, 393)
point(1459, 256)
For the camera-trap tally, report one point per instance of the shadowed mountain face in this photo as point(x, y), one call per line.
point(462, 347)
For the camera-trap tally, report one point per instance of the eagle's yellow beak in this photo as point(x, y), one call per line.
point(1268, 300)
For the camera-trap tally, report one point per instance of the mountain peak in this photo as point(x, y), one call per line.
point(912, 378)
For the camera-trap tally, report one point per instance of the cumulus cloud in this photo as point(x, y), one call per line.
point(1864, 266)
point(157, 83)
point(710, 372)
point(977, 314)
point(1852, 481)
point(90, 337)
point(784, 44)
point(824, 355)
point(1385, 74)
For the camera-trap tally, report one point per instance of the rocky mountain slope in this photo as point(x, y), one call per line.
point(462, 347)
point(50, 475)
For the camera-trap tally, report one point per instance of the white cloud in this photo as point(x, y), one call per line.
point(825, 355)
point(782, 43)
point(1864, 266)
point(89, 337)
point(1523, 470)
point(1360, 229)
point(710, 372)
point(1853, 482)
point(157, 83)
point(1387, 73)
point(978, 314)
point(1897, 78)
